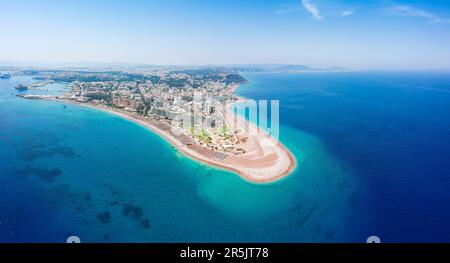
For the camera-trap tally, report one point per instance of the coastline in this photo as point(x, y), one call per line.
point(265, 165)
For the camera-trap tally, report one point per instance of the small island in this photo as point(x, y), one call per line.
point(163, 99)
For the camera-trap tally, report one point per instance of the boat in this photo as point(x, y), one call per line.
point(5, 76)
point(21, 87)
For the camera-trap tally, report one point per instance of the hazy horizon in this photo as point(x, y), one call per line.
point(122, 65)
point(375, 35)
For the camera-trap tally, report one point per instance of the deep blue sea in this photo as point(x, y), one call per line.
point(373, 153)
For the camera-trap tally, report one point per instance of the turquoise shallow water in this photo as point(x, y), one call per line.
point(69, 170)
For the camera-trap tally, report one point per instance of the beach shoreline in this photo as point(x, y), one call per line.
point(265, 166)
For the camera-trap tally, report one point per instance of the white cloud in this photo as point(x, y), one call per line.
point(404, 10)
point(347, 12)
point(312, 9)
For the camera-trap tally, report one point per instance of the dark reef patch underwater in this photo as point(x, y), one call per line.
point(44, 174)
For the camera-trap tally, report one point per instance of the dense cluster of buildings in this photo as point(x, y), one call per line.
point(194, 101)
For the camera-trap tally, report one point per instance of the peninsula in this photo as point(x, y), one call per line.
point(191, 109)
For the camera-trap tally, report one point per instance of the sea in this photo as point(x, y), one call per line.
point(372, 151)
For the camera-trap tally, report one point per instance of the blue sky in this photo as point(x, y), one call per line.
point(378, 34)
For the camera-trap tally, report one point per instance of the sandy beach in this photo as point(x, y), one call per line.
point(263, 162)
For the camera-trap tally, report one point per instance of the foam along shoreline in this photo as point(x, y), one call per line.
point(263, 164)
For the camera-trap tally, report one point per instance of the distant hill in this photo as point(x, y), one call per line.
point(291, 68)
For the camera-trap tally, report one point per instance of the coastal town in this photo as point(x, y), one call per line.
point(188, 107)
point(168, 97)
